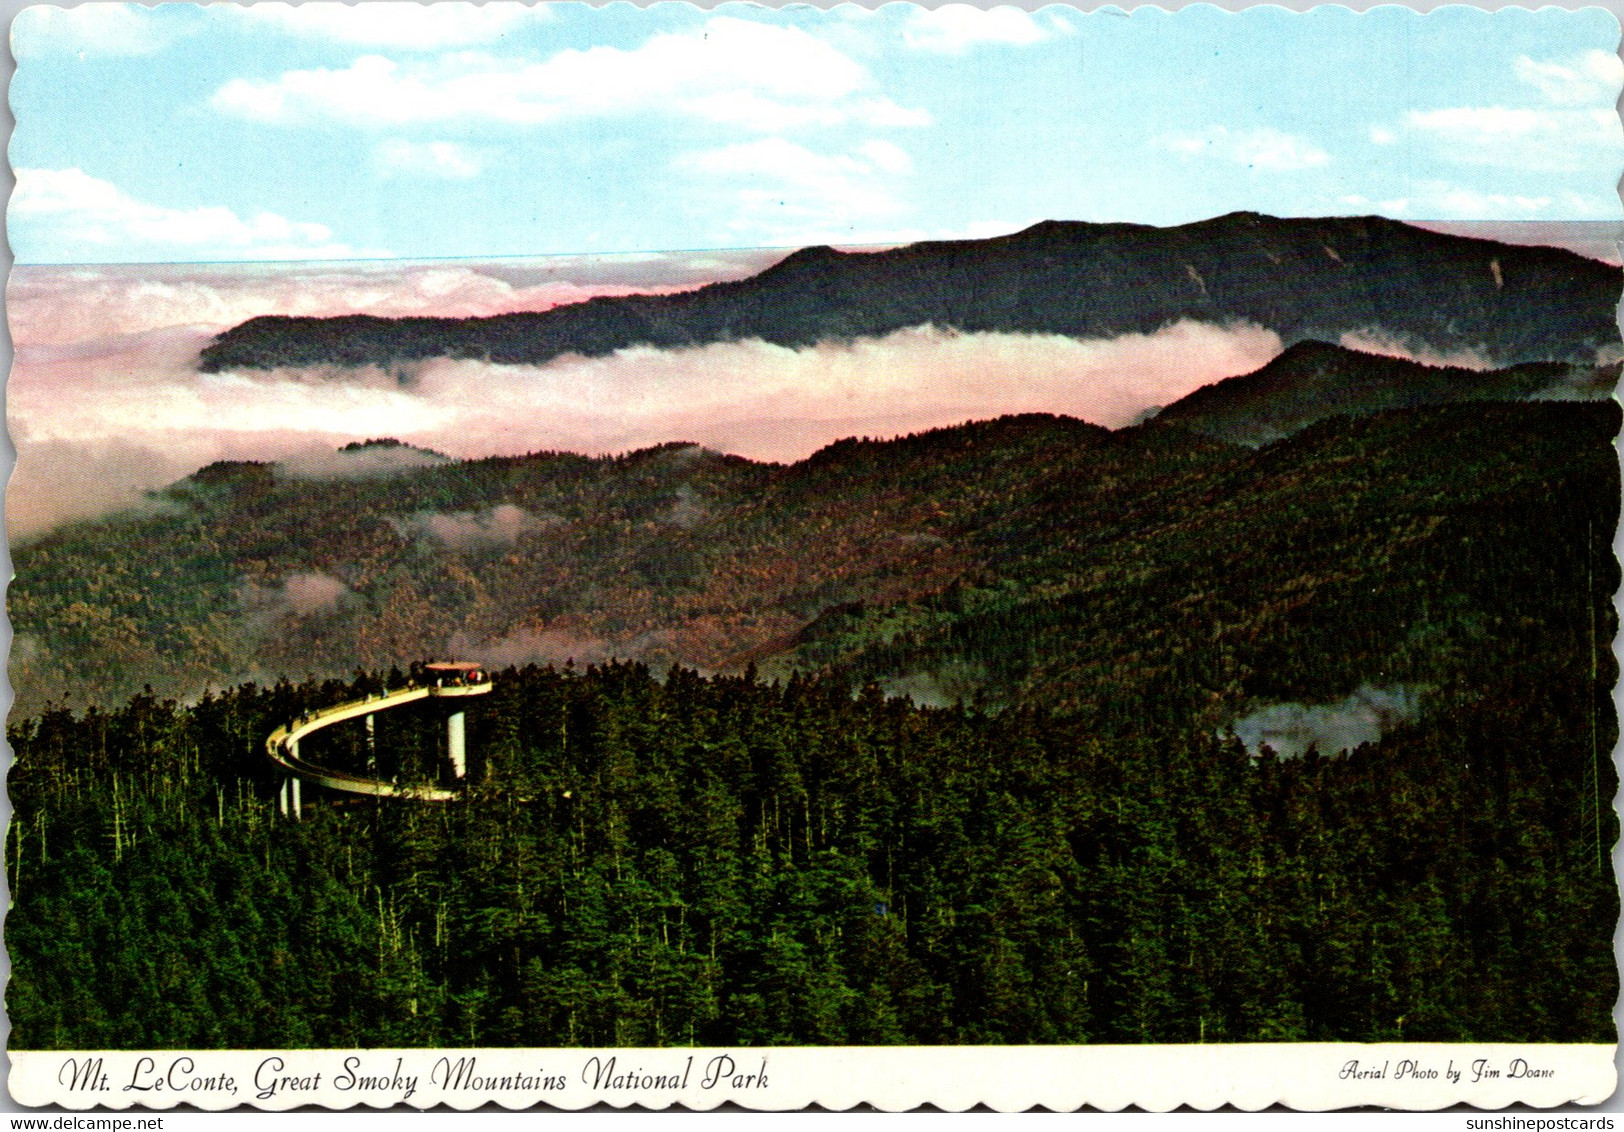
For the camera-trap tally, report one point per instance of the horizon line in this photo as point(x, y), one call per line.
point(1616, 225)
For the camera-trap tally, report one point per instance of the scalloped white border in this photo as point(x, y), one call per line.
point(1305, 1077)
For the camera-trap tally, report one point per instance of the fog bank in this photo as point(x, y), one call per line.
point(121, 415)
point(1290, 729)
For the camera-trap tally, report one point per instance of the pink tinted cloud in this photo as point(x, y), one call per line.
point(137, 414)
point(1389, 345)
point(105, 401)
point(62, 305)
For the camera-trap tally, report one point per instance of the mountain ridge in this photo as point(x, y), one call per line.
point(677, 555)
point(1311, 380)
point(1302, 278)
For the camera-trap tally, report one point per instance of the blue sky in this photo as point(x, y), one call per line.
point(184, 134)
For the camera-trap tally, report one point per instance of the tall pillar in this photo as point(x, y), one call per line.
point(456, 743)
point(297, 813)
point(282, 797)
point(372, 743)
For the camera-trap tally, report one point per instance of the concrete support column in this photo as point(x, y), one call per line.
point(456, 743)
point(372, 743)
point(282, 797)
point(297, 809)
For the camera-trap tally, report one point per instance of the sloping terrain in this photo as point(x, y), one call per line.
point(1301, 278)
point(1022, 560)
point(1314, 380)
point(645, 859)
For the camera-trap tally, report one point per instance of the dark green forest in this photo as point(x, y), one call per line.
point(1056, 839)
point(723, 861)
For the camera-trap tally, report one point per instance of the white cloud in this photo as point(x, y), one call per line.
point(1602, 205)
point(94, 30)
point(1363, 717)
point(1522, 138)
point(1393, 206)
point(1262, 147)
point(299, 595)
point(1441, 199)
point(71, 315)
point(731, 71)
point(1472, 204)
point(1375, 341)
point(149, 407)
point(886, 156)
point(450, 160)
point(502, 525)
point(786, 193)
point(955, 28)
point(312, 593)
point(58, 481)
point(1575, 127)
point(79, 216)
point(1593, 77)
point(987, 229)
point(413, 26)
point(1059, 22)
point(775, 402)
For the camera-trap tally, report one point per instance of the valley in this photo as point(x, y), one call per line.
point(1282, 713)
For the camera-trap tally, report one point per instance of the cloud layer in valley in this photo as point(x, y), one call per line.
point(104, 402)
point(1389, 345)
point(90, 309)
point(1364, 716)
point(133, 412)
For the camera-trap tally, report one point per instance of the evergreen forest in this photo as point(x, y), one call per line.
point(978, 759)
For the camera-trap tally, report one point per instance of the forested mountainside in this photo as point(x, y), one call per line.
point(1312, 278)
point(722, 861)
point(1111, 812)
point(1015, 561)
point(1314, 380)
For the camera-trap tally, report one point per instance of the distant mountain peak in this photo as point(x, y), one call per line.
point(815, 258)
point(1312, 349)
point(1312, 380)
point(1317, 277)
point(1048, 229)
point(227, 473)
point(387, 443)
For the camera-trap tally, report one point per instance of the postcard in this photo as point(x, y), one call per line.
point(883, 555)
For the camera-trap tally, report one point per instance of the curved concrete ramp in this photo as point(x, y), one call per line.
point(283, 744)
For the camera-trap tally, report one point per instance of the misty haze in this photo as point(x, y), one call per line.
point(912, 646)
point(102, 419)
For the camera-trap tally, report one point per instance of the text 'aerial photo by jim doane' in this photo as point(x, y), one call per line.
point(905, 556)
